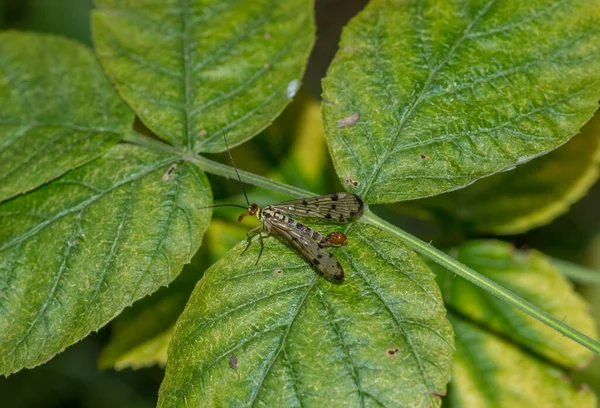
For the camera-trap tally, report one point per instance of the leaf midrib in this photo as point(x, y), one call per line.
point(185, 44)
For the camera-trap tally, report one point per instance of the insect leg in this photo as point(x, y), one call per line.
point(262, 246)
point(249, 238)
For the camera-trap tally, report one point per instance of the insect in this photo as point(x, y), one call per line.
point(276, 219)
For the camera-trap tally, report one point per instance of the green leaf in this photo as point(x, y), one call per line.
point(57, 110)
point(276, 334)
point(531, 276)
point(194, 72)
point(146, 354)
point(529, 196)
point(428, 96)
point(76, 252)
point(491, 372)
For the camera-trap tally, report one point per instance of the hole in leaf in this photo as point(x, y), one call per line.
point(392, 352)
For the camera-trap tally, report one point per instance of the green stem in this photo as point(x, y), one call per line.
point(150, 142)
point(226, 171)
point(417, 245)
point(577, 273)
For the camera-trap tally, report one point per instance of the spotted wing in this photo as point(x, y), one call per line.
point(339, 207)
point(312, 250)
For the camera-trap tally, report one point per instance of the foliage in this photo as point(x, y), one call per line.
point(423, 97)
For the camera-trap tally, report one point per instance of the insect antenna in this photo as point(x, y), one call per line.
point(236, 170)
point(225, 205)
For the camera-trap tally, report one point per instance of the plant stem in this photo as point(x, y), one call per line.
point(577, 273)
point(150, 142)
point(419, 246)
point(226, 171)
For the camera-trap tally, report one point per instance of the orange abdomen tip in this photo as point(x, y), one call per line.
point(337, 238)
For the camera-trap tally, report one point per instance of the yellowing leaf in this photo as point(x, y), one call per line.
point(194, 72)
point(447, 92)
point(276, 334)
point(490, 372)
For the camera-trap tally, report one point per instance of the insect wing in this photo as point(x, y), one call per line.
point(312, 250)
point(339, 207)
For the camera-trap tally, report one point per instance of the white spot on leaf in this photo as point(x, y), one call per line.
point(348, 120)
point(292, 88)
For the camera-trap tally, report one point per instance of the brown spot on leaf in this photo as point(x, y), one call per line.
point(348, 120)
point(266, 65)
point(233, 362)
point(392, 352)
point(423, 156)
point(267, 36)
point(350, 182)
point(278, 272)
point(202, 134)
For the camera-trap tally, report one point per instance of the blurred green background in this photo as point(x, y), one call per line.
point(72, 379)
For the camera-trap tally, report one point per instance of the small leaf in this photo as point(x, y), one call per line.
point(491, 372)
point(76, 252)
point(194, 72)
point(531, 276)
point(276, 334)
point(448, 91)
point(529, 196)
point(57, 110)
point(151, 352)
